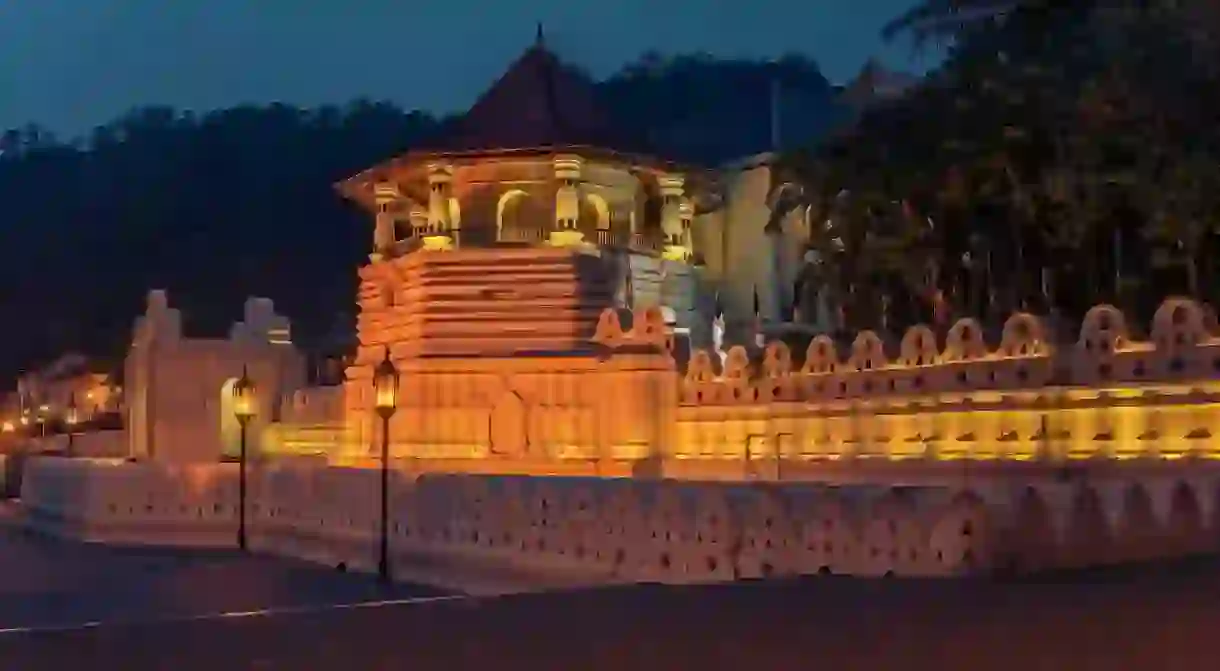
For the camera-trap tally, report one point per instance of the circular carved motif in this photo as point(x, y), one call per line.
point(508, 432)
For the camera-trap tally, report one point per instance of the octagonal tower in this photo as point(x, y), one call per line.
point(495, 250)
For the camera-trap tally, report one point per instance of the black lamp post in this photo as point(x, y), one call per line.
point(244, 408)
point(385, 398)
point(71, 418)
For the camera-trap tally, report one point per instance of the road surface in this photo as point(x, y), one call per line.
point(1165, 617)
point(51, 583)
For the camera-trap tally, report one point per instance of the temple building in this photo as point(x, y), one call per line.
point(536, 162)
point(531, 278)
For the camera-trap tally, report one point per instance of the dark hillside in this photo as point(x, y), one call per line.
point(239, 202)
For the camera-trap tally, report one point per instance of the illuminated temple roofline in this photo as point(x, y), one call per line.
point(412, 167)
point(536, 160)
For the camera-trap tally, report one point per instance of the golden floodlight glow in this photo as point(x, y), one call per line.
point(438, 243)
point(8, 427)
point(245, 404)
point(566, 238)
point(385, 386)
point(675, 253)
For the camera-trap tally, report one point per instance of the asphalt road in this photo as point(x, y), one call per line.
point(1161, 618)
point(49, 583)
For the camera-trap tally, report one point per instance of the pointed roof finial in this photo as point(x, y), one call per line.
point(539, 39)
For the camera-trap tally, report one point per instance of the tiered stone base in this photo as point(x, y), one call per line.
point(482, 302)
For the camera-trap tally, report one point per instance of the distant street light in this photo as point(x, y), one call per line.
point(385, 398)
point(71, 417)
point(244, 408)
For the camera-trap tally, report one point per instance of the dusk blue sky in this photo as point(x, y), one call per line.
point(73, 64)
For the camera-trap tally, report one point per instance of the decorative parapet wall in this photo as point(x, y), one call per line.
point(621, 329)
point(606, 530)
point(1106, 395)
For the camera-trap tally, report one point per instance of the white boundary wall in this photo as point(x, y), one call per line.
point(618, 530)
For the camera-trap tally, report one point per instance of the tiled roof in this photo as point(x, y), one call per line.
point(538, 102)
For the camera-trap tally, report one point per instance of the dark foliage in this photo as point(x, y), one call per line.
point(1059, 159)
point(239, 202)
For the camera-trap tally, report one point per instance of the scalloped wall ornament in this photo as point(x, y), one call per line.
point(1181, 346)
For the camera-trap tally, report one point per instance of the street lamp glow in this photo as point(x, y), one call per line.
point(385, 399)
point(245, 406)
point(244, 400)
point(385, 386)
point(71, 418)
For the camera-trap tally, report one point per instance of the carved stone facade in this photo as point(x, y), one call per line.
point(1105, 396)
point(520, 197)
point(178, 389)
point(922, 412)
point(499, 361)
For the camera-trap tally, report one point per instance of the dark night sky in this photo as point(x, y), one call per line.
point(71, 64)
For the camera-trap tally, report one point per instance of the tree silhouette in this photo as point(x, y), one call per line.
point(1061, 152)
point(220, 205)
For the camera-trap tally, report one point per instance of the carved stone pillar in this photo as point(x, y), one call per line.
point(418, 217)
point(619, 233)
point(673, 228)
point(439, 234)
point(567, 202)
point(386, 195)
point(686, 215)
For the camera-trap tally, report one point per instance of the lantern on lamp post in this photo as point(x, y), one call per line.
point(245, 406)
point(385, 399)
point(71, 417)
point(41, 416)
